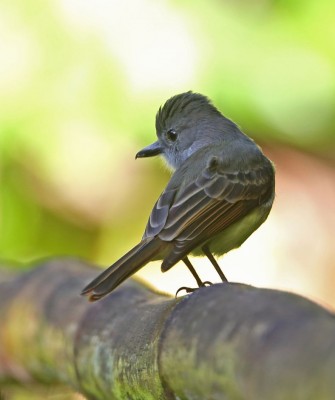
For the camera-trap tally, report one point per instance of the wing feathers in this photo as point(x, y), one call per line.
point(191, 214)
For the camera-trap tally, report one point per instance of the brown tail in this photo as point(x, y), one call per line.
point(122, 269)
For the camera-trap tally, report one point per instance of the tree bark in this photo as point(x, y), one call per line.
point(226, 341)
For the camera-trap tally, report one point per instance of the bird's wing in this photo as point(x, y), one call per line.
point(210, 203)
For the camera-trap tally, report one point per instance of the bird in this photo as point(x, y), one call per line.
point(221, 190)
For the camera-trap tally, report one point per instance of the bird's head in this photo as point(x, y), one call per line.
point(186, 123)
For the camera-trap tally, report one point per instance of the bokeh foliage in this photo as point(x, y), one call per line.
point(78, 99)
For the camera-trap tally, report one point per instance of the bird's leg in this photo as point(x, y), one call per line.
point(193, 271)
point(196, 277)
point(215, 264)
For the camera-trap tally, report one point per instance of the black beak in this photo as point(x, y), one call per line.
point(152, 150)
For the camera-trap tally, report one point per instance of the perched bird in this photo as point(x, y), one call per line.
point(222, 190)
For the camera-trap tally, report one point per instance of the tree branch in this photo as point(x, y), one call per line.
point(227, 341)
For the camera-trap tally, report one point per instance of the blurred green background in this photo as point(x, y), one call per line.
point(80, 83)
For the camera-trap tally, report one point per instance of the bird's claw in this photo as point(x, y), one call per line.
point(187, 290)
point(191, 290)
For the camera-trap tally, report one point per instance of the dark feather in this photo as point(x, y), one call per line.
point(207, 206)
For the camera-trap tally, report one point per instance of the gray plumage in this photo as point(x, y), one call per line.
point(222, 190)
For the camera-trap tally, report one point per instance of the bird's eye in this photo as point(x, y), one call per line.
point(171, 135)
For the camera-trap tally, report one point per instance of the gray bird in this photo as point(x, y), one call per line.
point(222, 190)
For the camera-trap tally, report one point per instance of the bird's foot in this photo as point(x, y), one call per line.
point(187, 290)
point(191, 290)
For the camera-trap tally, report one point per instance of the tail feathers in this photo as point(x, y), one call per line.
point(122, 269)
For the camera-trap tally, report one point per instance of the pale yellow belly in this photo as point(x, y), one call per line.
point(233, 236)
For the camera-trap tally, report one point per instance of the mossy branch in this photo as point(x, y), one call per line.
point(227, 341)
